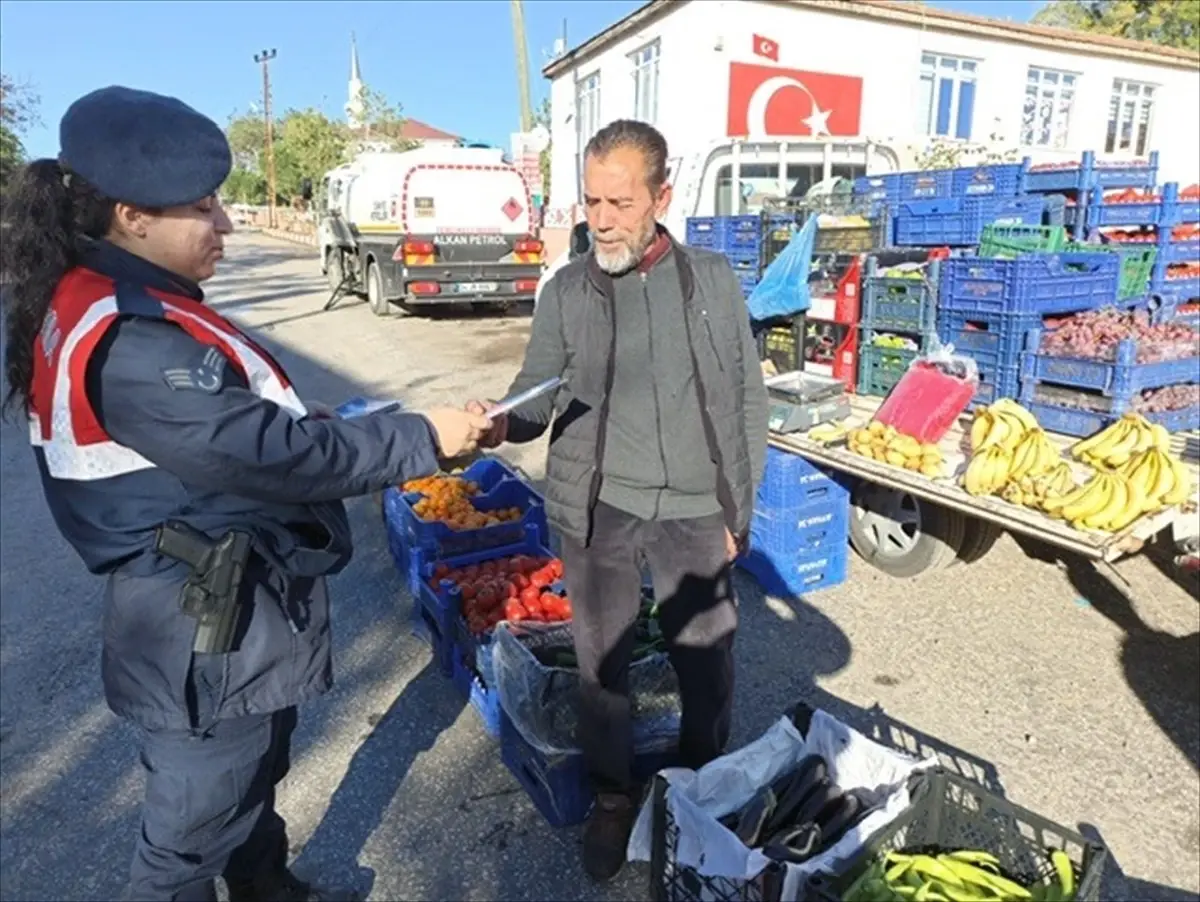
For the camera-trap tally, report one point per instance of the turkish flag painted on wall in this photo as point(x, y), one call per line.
point(773, 101)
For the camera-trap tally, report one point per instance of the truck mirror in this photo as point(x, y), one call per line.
point(306, 189)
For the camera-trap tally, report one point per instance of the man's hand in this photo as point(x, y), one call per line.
point(498, 431)
point(731, 546)
point(458, 432)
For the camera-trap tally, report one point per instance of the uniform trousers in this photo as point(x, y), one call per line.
point(688, 563)
point(209, 809)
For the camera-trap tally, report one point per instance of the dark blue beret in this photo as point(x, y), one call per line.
point(142, 148)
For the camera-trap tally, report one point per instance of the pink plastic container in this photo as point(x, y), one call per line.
point(926, 402)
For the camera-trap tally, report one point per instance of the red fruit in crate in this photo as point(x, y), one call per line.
point(468, 590)
point(471, 571)
point(476, 624)
point(514, 611)
point(529, 594)
point(540, 579)
point(556, 566)
point(535, 608)
point(486, 596)
point(511, 590)
point(520, 580)
point(440, 570)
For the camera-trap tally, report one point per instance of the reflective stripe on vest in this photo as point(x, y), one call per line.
point(74, 444)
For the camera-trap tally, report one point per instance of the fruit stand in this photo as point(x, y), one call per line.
point(945, 497)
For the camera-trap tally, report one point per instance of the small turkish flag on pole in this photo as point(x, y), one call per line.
point(766, 47)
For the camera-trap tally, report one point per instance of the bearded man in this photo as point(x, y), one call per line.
point(657, 446)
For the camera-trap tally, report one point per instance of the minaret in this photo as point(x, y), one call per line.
point(355, 106)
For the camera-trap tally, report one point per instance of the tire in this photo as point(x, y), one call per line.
point(335, 269)
point(380, 305)
point(900, 534)
point(978, 538)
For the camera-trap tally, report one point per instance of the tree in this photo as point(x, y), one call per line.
point(383, 121)
point(1172, 23)
point(245, 186)
point(247, 137)
point(18, 111)
point(307, 145)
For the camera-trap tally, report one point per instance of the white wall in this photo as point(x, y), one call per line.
point(693, 81)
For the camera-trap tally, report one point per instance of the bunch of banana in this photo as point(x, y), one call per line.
point(1034, 455)
point(963, 876)
point(884, 443)
point(1002, 423)
point(1158, 477)
point(1107, 502)
point(827, 433)
point(987, 473)
point(1115, 446)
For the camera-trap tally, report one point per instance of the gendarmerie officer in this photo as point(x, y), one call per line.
point(178, 460)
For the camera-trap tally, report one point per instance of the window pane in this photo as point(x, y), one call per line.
point(944, 101)
point(1050, 78)
point(1068, 81)
point(928, 59)
point(968, 66)
point(924, 104)
point(1033, 76)
point(949, 62)
point(966, 106)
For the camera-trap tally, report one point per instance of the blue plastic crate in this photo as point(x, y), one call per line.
point(993, 339)
point(792, 483)
point(796, 574)
point(998, 180)
point(1175, 291)
point(1054, 210)
point(1082, 423)
point(558, 786)
point(485, 700)
point(1176, 211)
point(996, 382)
point(1089, 174)
point(431, 624)
point(1042, 284)
point(925, 184)
point(742, 259)
point(500, 489)
point(1097, 213)
point(1178, 251)
point(722, 225)
point(901, 305)
point(1119, 379)
point(885, 188)
point(778, 533)
point(959, 221)
point(443, 596)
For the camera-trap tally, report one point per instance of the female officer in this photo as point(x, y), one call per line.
point(179, 462)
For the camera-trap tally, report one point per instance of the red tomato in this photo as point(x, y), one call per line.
point(565, 603)
point(501, 566)
point(440, 571)
point(520, 580)
point(476, 624)
point(468, 590)
point(556, 567)
point(471, 571)
point(529, 593)
point(540, 580)
point(487, 568)
point(487, 597)
point(535, 609)
point(512, 608)
point(510, 590)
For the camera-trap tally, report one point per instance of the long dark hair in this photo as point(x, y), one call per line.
point(47, 212)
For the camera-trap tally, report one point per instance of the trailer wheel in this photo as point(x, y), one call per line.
point(978, 539)
point(380, 305)
point(900, 534)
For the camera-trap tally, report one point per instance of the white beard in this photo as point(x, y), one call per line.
point(623, 258)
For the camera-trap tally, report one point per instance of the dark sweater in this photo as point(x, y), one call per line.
point(657, 464)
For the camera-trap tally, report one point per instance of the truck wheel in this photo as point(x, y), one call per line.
point(380, 305)
point(978, 539)
point(334, 268)
point(900, 534)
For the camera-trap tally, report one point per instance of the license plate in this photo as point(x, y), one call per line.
point(476, 287)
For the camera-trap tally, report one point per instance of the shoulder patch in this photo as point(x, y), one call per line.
point(207, 376)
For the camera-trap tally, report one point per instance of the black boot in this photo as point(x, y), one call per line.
point(284, 886)
point(606, 835)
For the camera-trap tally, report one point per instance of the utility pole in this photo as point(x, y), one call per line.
point(265, 58)
point(518, 17)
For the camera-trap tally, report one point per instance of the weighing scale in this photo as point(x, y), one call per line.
point(797, 401)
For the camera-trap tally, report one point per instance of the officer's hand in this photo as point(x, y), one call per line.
point(457, 431)
point(319, 411)
point(498, 432)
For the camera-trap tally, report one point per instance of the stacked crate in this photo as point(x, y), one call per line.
point(739, 238)
point(896, 308)
point(1074, 184)
point(987, 306)
point(799, 532)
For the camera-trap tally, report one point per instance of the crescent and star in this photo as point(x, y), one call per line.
point(756, 110)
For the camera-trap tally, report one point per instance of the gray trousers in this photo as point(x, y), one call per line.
point(698, 615)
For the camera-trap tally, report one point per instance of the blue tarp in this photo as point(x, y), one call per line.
point(783, 289)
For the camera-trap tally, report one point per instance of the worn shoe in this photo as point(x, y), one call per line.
point(606, 835)
point(287, 887)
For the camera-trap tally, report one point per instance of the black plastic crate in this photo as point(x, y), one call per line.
point(949, 812)
point(781, 341)
point(673, 882)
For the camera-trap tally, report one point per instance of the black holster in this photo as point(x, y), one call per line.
point(211, 594)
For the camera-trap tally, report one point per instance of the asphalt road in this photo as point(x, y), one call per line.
point(1073, 693)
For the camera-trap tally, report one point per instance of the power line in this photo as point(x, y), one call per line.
point(265, 58)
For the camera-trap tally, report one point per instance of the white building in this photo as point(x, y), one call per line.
point(788, 92)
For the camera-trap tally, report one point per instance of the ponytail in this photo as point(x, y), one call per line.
point(48, 210)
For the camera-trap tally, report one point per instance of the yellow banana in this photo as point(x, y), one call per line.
point(1160, 481)
point(998, 432)
point(1119, 452)
point(1115, 506)
point(1145, 433)
point(980, 427)
point(1024, 456)
point(1085, 501)
point(1090, 445)
point(1027, 419)
point(1181, 491)
point(1162, 438)
point(1016, 429)
point(1065, 872)
point(1099, 501)
point(1135, 506)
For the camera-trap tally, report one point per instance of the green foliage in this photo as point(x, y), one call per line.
point(306, 144)
point(542, 117)
point(1171, 23)
point(943, 153)
point(18, 111)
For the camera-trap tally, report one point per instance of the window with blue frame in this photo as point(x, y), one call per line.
point(946, 96)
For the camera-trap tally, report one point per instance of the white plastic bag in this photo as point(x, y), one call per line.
point(698, 798)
